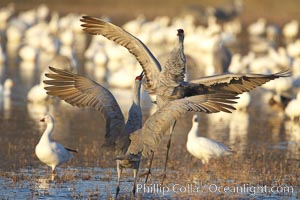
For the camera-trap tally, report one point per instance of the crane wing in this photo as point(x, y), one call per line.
point(136, 47)
point(80, 91)
point(235, 83)
point(157, 124)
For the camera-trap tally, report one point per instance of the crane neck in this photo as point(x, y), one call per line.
point(137, 92)
point(180, 41)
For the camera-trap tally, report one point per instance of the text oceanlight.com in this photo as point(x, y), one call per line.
point(214, 188)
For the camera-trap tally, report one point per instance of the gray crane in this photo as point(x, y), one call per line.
point(168, 83)
point(80, 91)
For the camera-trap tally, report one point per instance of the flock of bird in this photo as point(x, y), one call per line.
point(42, 38)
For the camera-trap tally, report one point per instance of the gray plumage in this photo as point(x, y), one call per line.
point(144, 56)
point(159, 122)
point(159, 81)
point(83, 92)
point(235, 83)
point(80, 91)
point(156, 78)
point(168, 83)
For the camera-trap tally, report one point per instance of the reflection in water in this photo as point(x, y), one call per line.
point(6, 107)
point(28, 72)
point(276, 124)
point(2, 72)
point(238, 130)
point(292, 129)
point(217, 126)
point(45, 183)
point(37, 111)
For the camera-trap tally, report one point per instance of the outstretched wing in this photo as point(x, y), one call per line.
point(80, 91)
point(235, 83)
point(136, 47)
point(157, 124)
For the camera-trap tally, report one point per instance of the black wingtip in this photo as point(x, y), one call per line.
point(72, 150)
point(285, 73)
point(84, 17)
point(58, 71)
point(51, 68)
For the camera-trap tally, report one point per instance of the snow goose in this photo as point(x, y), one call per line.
point(28, 53)
point(257, 28)
point(290, 30)
point(5, 100)
point(168, 83)
point(50, 152)
point(243, 102)
point(5, 14)
point(5, 89)
point(292, 109)
point(37, 93)
point(135, 25)
point(204, 148)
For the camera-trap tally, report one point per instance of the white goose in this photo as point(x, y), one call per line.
point(292, 110)
point(204, 148)
point(50, 152)
point(5, 89)
point(37, 93)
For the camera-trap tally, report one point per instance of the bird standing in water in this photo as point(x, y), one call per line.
point(50, 152)
point(204, 148)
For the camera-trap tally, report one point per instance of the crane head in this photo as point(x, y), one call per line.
point(180, 32)
point(140, 77)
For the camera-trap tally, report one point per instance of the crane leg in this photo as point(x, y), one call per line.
point(119, 171)
point(168, 150)
point(135, 172)
point(149, 168)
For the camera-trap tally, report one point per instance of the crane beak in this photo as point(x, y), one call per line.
point(42, 120)
point(142, 74)
point(140, 77)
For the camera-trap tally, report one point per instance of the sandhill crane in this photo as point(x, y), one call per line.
point(83, 92)
point(50, 152)
point(168, 83)
point(204, 148)
point(80, 91)
point(164, 83)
